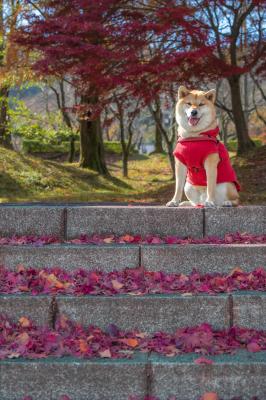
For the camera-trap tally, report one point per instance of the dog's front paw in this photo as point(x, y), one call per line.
point(227, 203)
point(172, 203)
point(210, 204)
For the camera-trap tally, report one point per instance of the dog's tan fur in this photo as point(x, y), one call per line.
point(222, 194)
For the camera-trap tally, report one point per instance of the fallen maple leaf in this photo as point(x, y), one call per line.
point(109, 239)
point(24, 322)
point(253, 347)
point(203, 360)
point(210, 396)
point(105, 354)
point(83, 346)
point(20, 268)
point(117, 285)
point(23, 338)
point(127, 238)
point(130, 342)
point(235, 270)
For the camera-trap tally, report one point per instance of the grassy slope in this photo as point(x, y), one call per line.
point(25, 178)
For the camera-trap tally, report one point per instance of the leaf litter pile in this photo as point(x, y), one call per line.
point(136, 281)
point(25, 339)
point(232, 238)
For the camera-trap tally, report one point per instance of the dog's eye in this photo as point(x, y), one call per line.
point(201, 104)
point(189, 104)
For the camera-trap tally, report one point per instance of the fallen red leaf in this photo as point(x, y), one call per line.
point(203, 360)
point(83, 346)
point(24, 322)
point(130, 342)
point(105, 353)
point(210, 396)
point(253, 347)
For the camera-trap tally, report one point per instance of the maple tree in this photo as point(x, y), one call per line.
point(104, 45)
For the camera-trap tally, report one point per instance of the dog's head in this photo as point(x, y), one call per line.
point(195, 110)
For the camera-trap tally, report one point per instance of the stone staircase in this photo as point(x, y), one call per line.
point(242, 374)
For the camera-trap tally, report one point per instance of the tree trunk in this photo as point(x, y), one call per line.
point(71, 149)
point(125, 164)
point(158, 140)
point(91, 145)
point(5, 139)
point(172, 160)
point(168, 142)
point(244, 141)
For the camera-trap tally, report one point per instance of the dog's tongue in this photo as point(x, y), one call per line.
point(193, 121)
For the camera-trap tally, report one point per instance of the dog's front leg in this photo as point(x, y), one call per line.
point(180, 179)
point(210, 166)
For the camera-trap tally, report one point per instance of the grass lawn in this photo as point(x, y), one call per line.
point(29, 179)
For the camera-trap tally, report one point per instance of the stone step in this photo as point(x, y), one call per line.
point(205, 258)
point(242, 374)
point(69, 257)
point(70, 222)
point(220, 221)
point(135, 220)
point(32, 220)
point(148, 313)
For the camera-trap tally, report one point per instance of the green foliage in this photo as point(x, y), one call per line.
point(39, 132)
point(232, 144)
point(37, 146)
point(115, 147)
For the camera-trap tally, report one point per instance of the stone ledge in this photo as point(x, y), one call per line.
point(31, 220)
point(79, 379)
point(250, 309)
point(206, 258)
point(148, 313)
point(242, 374)
point(220, 221)
point(34, 307)
point(134, 220)
point(69, 257)
point(239, 375)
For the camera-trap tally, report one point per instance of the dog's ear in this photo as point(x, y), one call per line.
point(182, 92)
point(210, 95)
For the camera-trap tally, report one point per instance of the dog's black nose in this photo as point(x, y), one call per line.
point(194, 113)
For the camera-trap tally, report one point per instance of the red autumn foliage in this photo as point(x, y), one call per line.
point(136, 281)
point(72, 339)
point(107, 44)
point(230, 238)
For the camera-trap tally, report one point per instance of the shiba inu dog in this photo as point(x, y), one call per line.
point(203, 166)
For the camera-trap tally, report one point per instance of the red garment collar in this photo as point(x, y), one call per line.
point(212, 132)
point(203, 136)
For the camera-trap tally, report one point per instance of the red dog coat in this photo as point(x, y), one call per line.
point(193, 151)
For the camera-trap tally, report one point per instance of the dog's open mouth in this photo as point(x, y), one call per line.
point(193, 121)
